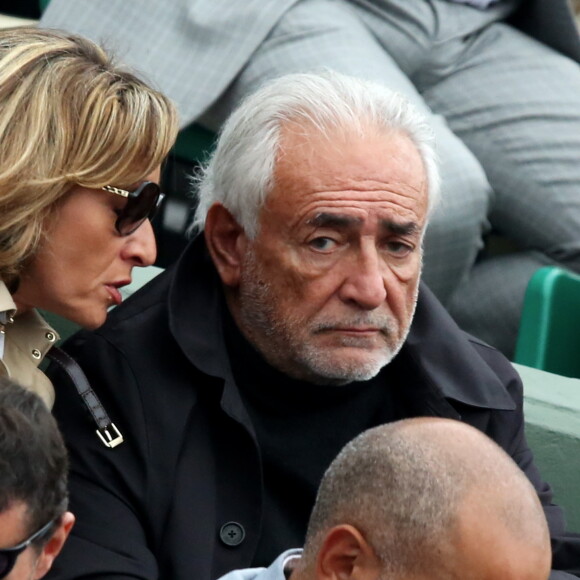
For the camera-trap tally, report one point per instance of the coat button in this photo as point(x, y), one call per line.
point(36, 353)
point(50, 336)
point(232, 534)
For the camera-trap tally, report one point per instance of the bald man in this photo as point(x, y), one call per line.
point(463, 510)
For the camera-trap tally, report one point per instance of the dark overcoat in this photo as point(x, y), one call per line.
point(159, 505)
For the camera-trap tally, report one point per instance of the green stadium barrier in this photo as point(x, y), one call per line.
point(552, 411)
point(549, 333)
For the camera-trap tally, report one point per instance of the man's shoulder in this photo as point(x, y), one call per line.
point(433, 329)
point(496, 360)
point(169, 329)
point(460, 366)
point(140, 309)
point(134, 335)
point(135, 366)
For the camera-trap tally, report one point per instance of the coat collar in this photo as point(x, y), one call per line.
point(448, 358)
point(196, 289)
point(444, 356)
point(26, 341)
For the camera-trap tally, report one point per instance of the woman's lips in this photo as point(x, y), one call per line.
point(114, 293)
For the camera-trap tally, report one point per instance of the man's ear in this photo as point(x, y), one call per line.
point(52, 548)
point(346, 555)
point(226, 242)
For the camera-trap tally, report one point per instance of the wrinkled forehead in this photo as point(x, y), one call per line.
point(342, 164)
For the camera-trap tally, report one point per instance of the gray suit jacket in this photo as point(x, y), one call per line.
point(193, 49)
point(189, 49)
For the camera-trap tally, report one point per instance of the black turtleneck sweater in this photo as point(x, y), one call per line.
point(300, 428)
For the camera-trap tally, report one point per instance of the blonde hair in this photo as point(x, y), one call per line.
point(68, 116)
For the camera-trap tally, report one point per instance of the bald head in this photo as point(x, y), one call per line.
point(431, 498)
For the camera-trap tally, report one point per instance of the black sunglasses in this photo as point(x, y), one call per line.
point(142, 204)
point(8, 556)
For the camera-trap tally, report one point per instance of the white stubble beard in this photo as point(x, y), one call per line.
point(278, 340)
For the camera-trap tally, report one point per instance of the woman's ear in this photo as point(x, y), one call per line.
point(226, 242)
point(346, 555)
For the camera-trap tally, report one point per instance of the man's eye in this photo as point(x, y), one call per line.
point(399, 249)
point(322, 244)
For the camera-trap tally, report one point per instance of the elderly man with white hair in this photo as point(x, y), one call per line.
point(294, 322)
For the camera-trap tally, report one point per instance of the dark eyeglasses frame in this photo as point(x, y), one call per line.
point(127, 224)
point(10, 555)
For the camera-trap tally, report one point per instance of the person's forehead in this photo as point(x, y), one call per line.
point(342, 167)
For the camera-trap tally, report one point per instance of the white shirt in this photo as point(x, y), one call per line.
point(481, 4)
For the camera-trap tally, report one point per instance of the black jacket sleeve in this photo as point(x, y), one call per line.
point(108, 487)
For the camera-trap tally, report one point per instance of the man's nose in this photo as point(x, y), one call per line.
point(364, 282)
point(141, 248)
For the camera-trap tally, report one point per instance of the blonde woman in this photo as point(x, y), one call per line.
point(82, 144)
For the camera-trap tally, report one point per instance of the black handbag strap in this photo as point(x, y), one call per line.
point(106, 430)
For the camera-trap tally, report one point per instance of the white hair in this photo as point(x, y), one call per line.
point(240, 173)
